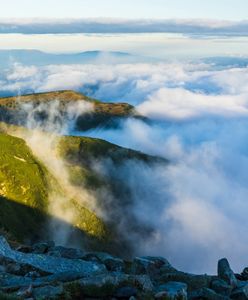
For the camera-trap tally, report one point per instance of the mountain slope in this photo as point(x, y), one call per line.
point(15, 110)
point(26, 185)
point(36, 203)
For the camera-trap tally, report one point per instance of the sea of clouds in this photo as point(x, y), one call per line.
point(197, 204)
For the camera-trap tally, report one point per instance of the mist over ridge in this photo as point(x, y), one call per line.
point(195, 114)
point(198, 114)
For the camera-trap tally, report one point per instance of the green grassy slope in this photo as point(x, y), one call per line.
point(25, 185)
point(22, 177)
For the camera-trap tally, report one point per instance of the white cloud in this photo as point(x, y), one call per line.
point(197, 205)
point(181, 104)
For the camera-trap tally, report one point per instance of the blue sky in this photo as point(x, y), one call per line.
point(213, 9)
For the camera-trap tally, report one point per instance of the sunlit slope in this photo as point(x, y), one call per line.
point(28, 190)
point(25, 188)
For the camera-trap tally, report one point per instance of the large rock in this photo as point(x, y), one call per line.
point(193, 282)
point(226, 273)
point(9, 282)
point(49, 292)
point(64, 252)
point(126, 292)
point(244, 274)
point(109, 284)
point(206, 294)
point(221, 287)
point(172, 291)
point(43, 247)
point(241, 292)
point(112, 263)
point(51, 264)
point(150, 265)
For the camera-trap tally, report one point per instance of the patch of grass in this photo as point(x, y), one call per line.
point(22, 177)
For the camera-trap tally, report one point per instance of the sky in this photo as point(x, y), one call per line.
point(157, 9)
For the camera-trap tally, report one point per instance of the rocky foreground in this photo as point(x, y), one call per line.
point(46, 271)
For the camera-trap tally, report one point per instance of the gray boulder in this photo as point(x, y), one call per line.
point(226, 273)
point(24, 249)
point(113, 264)
point(206, 293)
point(150, 265)
point(64, 252)
point(172, 291)
point(10, 282)
point(193, 282)
point(42, 248)
point(221, 287)
point(107, 285)
point(49, 292)
point(11, 266)
point(244, 274)
point(125, 292)
point(240, 293)
point(50, 264)
point(13, 282)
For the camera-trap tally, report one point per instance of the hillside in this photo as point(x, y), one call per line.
point(25, 188)
point(12, 109)
point(28, 187)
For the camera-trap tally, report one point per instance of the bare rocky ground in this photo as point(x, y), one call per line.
point(46, 271)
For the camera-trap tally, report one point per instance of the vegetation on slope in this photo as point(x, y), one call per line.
point(28, 189)
point(103, 114)
point(86, 148)
point(25, 187)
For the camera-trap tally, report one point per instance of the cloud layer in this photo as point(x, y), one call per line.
point(160, 91)
point(44, 26)
point(197, 205)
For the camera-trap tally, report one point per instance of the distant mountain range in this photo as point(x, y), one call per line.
point(227, 61)
point(39, 58)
